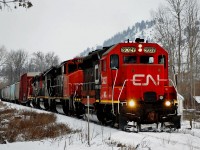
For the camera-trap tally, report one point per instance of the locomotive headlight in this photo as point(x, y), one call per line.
point(161, 97)
point(131, 103)
point(139, 50)
point(167, 103)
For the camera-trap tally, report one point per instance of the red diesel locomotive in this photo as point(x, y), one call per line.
point(126, 82)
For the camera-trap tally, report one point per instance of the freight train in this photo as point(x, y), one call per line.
point(121, 84)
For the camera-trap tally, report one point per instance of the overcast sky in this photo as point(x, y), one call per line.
point(67, 27)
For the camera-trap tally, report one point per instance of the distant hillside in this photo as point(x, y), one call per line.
point(143, 29)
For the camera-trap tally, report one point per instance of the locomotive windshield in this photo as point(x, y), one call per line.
point(146, 60)
point(130, 59)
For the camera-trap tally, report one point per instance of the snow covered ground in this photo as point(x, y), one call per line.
point(106, 138)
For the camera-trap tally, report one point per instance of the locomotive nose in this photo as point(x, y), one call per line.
point(147, 83)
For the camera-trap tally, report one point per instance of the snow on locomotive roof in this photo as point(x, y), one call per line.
point(33, 73)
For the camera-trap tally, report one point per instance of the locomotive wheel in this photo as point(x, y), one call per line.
point(28, 103)
point(122, 122)
point(46, 104)
point(52, 105)
point(104, 115)
point(16, 101)
point(71, 106)
point(122, 119)
point(38, 103)
point(79, 110)
point(176, 121)
point(34, 103)
point(66, 107)
point(101, 116)
point(138, 127)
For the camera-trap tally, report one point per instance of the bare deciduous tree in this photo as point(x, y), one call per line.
point(14, 67)
point(51, 59)
point(192, 33)
point(38, 61)
point(165, 33)
point(42, 61)
point(178, 30)
point(3, 55)
point(176, 8)
point(16, 62)
point(15, 3)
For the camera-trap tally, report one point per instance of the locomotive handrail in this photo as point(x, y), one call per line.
point(113, 90)
point(173, 84)
point(86, 83)
point(82, 83)
point(56, 85)
point(122, 90)
point(78, 84)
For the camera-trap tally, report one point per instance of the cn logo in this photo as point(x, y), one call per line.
point(142, 80)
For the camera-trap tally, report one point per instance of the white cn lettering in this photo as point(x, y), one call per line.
point(141, 80)
point(137, 78)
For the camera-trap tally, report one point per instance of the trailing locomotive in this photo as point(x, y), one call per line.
point(126, 82)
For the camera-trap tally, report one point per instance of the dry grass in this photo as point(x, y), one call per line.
point(28, 125)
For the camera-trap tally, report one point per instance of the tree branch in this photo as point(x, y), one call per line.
point(21, 3)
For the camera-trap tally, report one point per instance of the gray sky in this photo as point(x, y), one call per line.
point(67, 27)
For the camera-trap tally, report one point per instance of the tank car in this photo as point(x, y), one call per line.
point(16, 92)
point(12, 92)
point(5, 93)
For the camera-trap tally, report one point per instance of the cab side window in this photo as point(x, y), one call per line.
point(161, 60)
point(71, 68)
point(114, 61)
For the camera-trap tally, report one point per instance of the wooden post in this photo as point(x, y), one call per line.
point(88, 98)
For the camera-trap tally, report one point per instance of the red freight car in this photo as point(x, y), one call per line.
point(26, 90)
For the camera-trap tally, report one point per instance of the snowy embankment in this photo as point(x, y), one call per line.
point(106, 138)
